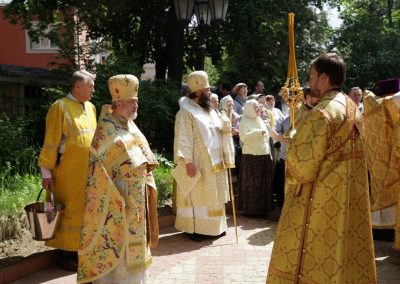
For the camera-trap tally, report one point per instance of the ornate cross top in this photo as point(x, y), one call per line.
point(292, 92)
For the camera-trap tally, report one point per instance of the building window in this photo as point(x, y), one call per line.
point(42, 45)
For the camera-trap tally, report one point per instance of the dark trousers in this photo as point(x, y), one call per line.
point(279, 182)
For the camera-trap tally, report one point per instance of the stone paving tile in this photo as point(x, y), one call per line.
point(221, 260)
point(224, 261)
point(178, 260)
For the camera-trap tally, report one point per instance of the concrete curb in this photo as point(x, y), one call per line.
point(42, 260)
point(28, 266)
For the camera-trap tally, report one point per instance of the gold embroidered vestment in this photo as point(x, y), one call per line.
point(117, 207)
point(69, 172)
point(324, 232)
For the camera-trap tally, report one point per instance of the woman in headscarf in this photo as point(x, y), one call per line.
point(255, 176)
point(227, 112)
point(226, 108)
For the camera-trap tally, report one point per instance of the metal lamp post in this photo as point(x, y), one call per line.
point(180, 16)
point(207, 12)
point(203, 15)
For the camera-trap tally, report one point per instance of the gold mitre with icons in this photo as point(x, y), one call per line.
point(123, 87)
point(197, 80)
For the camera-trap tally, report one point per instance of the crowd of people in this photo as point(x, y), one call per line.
point(327, 176)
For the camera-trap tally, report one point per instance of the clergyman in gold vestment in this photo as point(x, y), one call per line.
point(70, 126)
point(201, 175)
point(324, 233)
point(380, 116)
point(120, 217)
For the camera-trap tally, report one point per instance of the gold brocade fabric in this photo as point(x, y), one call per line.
point(212, 189)
point(396, 154)
point(324, 233)
point(228, 148)
point(116, 221)
point(380, 115)
point(302, 112)
point(67, 117)
point(396, 140)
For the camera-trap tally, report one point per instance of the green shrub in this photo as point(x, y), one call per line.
point(16, 191)
point(158, 104)
point(16, 145)
point(164, 180)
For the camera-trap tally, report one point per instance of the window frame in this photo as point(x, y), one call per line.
point(30, 49)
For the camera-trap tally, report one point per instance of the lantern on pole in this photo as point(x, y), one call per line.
point(218, 9)
point(202, 12)
point(184, 10)
point(292, 92)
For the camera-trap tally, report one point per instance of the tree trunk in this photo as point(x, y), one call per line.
point(175, 49)
point(161, 65)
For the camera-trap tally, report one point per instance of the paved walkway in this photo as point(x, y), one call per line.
point(179, 260)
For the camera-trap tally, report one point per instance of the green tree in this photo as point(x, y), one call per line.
point(369, 41)
point(250, 45)
point(256, 40)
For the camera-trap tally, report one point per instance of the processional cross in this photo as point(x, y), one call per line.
point(292, 92)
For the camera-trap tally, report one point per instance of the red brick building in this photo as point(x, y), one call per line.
point(18, 49)
point(24, 65)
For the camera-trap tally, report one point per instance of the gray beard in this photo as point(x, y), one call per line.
point(133, 116)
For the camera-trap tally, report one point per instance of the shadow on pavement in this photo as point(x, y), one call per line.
point(178, 243)
point(260, 238)
point(53, 274)
point(250, 223)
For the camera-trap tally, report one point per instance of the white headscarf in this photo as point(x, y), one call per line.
point(252, 123)
point(226, 130)
point(250, 116)
point(223, 104)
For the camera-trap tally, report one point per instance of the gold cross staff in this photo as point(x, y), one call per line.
point(292, 92)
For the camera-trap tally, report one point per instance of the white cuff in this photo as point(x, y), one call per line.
point(46, 173)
